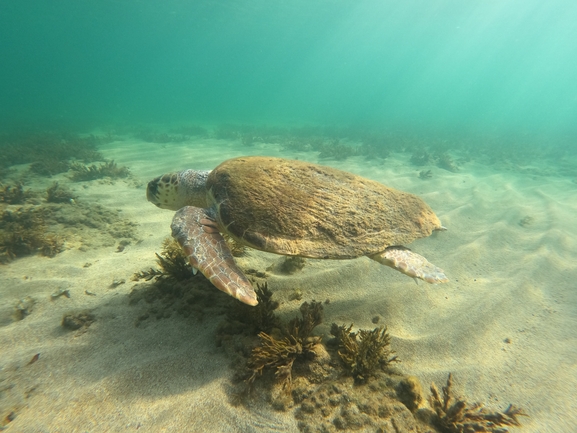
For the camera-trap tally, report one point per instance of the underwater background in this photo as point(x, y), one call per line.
point(470, 105)
point(478, 66)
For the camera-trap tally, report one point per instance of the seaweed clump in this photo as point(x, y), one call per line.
point(14, 194)
point(421, 157)
point(176, 289)
point(23, 232)
point(458, 417)
point(237, 249)
point(44, 228)
point(303, 374)
point(526, 221)
point(441, 159)
point(59, 194)
point(78, 321)
point(159, 137)
point(293, 264)
point(337, 151)
point(248, 320)
point(288, 265)
point(280, 352)
point(49, 167)
point(363, 352)
point(172, 261)
point(81, 172)
point(47, 152)
point(445, 162)
point(425, 174)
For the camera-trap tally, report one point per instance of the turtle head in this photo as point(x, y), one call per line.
point(176, 190)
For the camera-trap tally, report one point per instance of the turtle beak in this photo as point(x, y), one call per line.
point(152, 191)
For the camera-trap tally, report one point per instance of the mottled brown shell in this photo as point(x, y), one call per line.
point(298, 208)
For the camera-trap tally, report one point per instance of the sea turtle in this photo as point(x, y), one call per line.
point(292, 208)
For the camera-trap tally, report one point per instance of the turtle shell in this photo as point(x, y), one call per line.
point(298, 208)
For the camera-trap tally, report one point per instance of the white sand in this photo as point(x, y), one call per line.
point(507, 282)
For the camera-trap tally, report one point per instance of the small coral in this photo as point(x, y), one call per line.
point(365, 351)
point(410, 393)
point(459, 417)
point(296, 295)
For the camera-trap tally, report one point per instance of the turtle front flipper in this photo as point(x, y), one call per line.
point(412, 264)
point(208, 252)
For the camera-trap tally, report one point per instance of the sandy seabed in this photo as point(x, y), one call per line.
point(505, 324)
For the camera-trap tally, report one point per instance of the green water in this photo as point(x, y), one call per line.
point(466, 66)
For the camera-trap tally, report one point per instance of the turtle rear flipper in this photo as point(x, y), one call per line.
point(412, 264)
point(208, 252)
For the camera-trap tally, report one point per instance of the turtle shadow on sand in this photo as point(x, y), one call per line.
point(347, 382)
